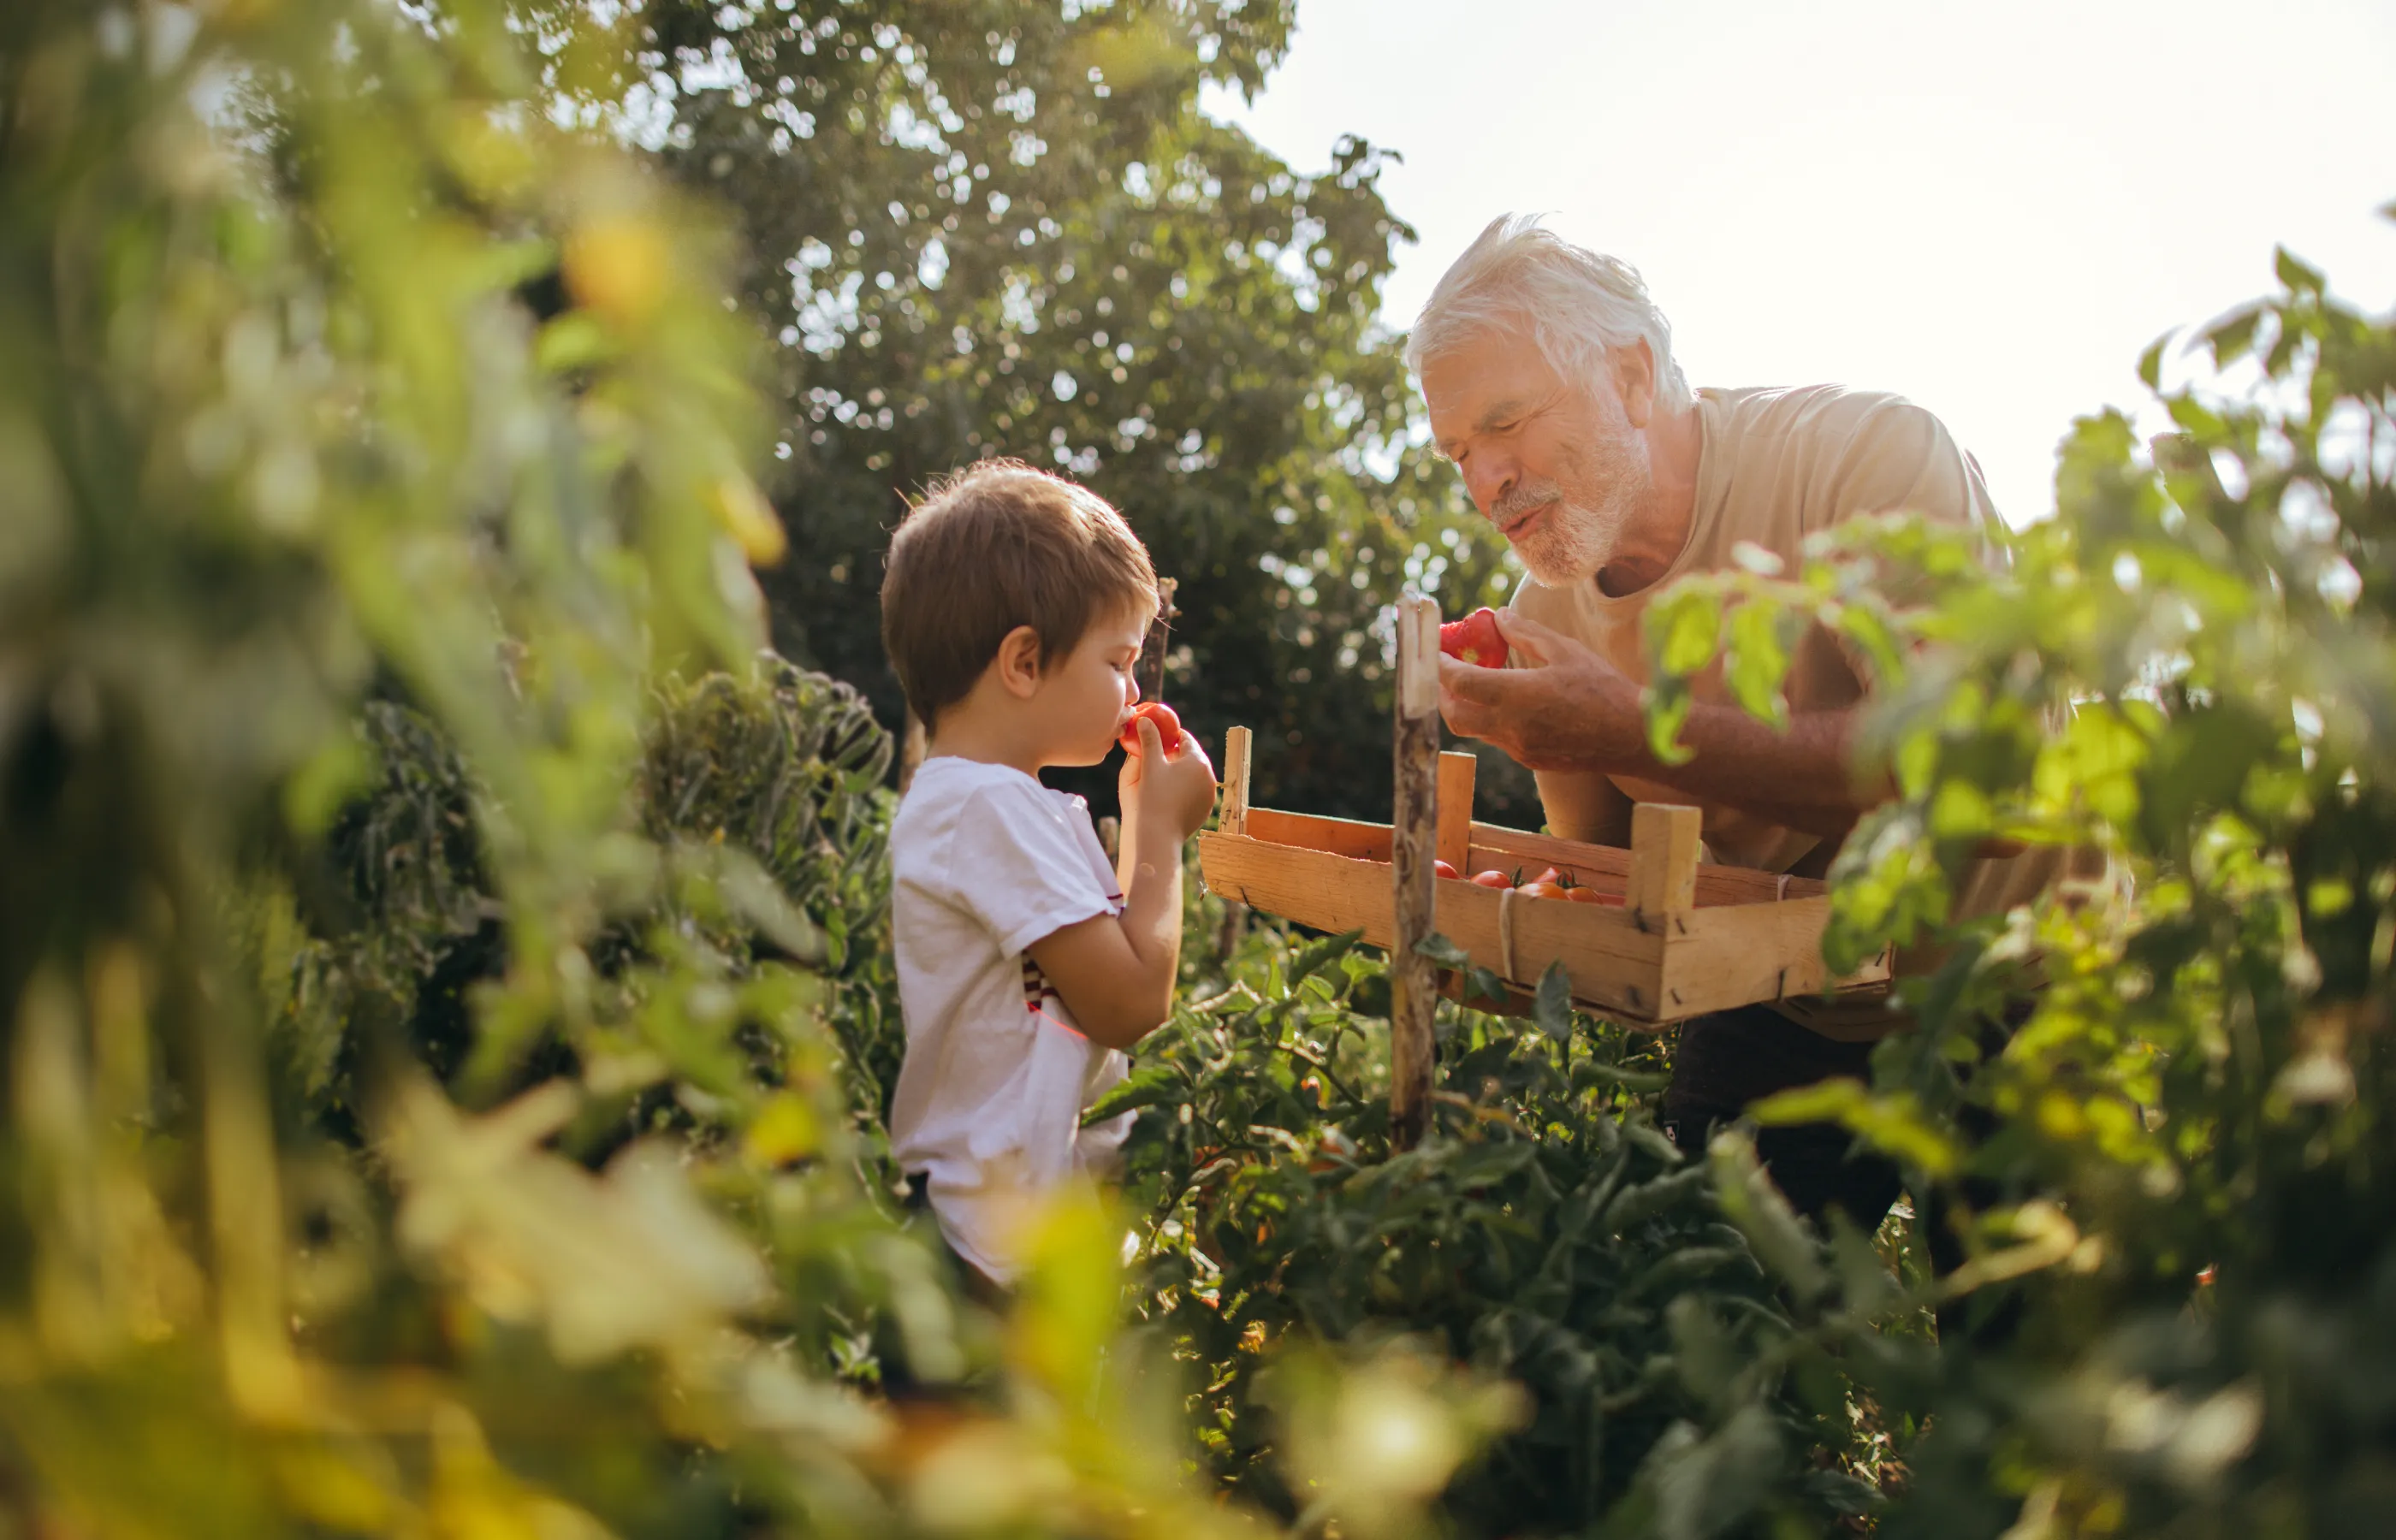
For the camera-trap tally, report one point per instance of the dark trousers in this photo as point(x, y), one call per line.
point(1726, 1061)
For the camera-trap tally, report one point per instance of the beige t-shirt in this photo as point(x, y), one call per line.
point(1774, 466)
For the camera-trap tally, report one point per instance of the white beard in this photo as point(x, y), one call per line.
point(1571, 545)
point(1578, 536)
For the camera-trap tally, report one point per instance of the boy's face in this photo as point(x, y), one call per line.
point(1086, 695)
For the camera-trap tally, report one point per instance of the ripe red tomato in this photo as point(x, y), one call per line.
point(1168, 727)
point(1475, 639)
point(1442, 868)
point(1493, 878)
point(1540, 890)
point(1550, 876)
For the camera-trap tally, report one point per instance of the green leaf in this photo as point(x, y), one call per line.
point(1758, 661)
point(2295, 273)
point(1824, 1101)
point(2150, 363)
point(1441, 950)
point(1666, 713)
point(1149, 1085)
point(2234, 334)
point(1552, 1007)
point(1320, 954)
point(1684, 629)
point(1751, 1201)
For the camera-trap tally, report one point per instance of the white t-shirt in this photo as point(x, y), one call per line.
point(985, 862)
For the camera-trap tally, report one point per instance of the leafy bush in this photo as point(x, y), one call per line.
point(1545, 1236)
point(2188, 669)
point(995, 228)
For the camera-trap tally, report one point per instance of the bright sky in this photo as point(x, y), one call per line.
point(1990, 209)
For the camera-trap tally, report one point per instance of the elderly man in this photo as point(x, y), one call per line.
point(1550, 382)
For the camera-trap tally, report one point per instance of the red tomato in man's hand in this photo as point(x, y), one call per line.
point(1475, 639)
point(1168, 727)
point(1493, 878)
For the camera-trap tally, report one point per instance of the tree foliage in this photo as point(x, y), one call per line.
point(991, 229)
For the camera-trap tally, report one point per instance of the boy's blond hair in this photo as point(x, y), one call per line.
point(996, 545)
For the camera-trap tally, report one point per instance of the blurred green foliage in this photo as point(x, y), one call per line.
point(421, 1110)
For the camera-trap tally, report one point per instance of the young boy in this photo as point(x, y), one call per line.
point(1014, 605)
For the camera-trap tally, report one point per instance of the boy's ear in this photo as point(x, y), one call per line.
point(1017, 663)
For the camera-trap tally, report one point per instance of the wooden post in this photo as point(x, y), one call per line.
point(1233, 817)
point(1456, 809)
point(1413, 837)
point(1663, 864)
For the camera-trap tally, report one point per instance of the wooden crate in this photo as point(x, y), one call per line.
point(1689, 937)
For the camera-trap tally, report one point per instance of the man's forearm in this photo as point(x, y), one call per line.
point(1805, 778)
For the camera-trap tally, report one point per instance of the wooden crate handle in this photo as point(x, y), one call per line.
point(1663, 863)
point(1233, 818)
point(1414, 831)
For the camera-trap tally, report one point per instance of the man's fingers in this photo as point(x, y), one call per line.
point(1469, 681)
point(1526, 636)
point(1471, 698)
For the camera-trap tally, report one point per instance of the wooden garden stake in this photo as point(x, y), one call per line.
point(1456, 773)
point(1415, 834)
point(1233, 818)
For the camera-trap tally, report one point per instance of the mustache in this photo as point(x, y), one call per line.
point(1521, 498)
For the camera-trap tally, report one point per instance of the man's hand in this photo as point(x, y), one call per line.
point(1177, 792)
point(1571, 709)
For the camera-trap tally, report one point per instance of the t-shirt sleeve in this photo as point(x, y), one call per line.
point(1901, 460)
point(1016, 863)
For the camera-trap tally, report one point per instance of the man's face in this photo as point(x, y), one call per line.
point(1554, 464)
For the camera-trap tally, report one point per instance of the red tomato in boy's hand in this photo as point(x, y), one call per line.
point(1168, 727)
point(1475, 639)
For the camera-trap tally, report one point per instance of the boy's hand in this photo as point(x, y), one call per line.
point(1178, 791)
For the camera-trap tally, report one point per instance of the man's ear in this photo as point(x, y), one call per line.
point(1634, 381)
point(1017, 663)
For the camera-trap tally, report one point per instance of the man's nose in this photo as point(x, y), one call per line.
point(1490, 480)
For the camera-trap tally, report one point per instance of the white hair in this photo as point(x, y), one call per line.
point(1575, 304)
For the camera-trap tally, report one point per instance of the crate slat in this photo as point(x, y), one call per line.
point(1710, 957)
